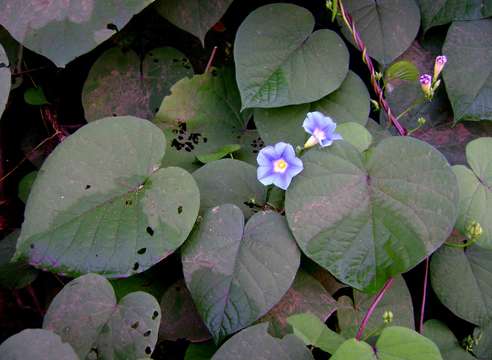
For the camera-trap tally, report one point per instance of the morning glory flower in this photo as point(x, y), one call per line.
point(278, 164)
point(441, 60)
point(322, 129)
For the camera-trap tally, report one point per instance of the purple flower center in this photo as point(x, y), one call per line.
point(319, 134)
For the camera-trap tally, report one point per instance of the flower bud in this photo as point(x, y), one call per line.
point(421, 121)
point(426, 84)
point(439, 65)
point(388, 317)
point(473, 231)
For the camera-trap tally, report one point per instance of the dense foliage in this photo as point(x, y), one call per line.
point(246, 179)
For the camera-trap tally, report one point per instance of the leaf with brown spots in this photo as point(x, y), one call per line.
point(120, 84)
point(305, 295)
point(62, 30)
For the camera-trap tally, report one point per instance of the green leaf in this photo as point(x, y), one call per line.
point(475, 189)
point(387, 27)
point(179, 317)
point(280, 61)
point(355, 134)
point(397, 300)
point(257, 343)
point(85, 314)
point(440, 12)
point(236, 273)
point(445, 340)
point(365, 220)
point(202, 351)
point(305, 295)
point(36, 344)
point(468, 73)
point(201, 115)
point(193, 16)
point(4, 79)
point(349, 103)
point(35, 96)
point(310, 329)
point(354, 350)
point(229, 181)
point(147, 281)
point(461, 281)
point(120, 84)
point(399, 343)
point(25, 185)
point(219, 154)
point(62, 31)
point(100, 203)
point(483, 348)
point(402, 70)
point(14, 274)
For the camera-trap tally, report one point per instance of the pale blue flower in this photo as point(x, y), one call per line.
point(322, 129)
point(278, 165)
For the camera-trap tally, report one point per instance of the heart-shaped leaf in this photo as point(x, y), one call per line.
point(397, 300)
point(476, 189)
point(468, 73)
point(36, 344)
point(310, 329)
point(440, 12)
point(462, 282)
point(64, 30)
point(446, 341)
point(387, 27)
point(179, 318)
point(264, 346)
point(193, 16)
point(237, 184)
point(201, 115)
point(85, 314)
point(280, 61)
point(365, 220)
point(237, 272)
point(120, 84)
point(349, 103)
point(219, 153)
point(4, 79)
point(100, 203)
point(395, 343)
point(305, 295)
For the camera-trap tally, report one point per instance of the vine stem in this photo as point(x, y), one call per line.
point(347, 19)
point(211, 59)
point(424, 296)
point(373, 306)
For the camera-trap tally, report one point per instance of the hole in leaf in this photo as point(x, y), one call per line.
point(112, 26)
point(148, 350)
point(156, 110)
point(180, 209)
point(31, 246)
point(150, 231)
point(155, 315)
point(135, 266)
point(128, 203)
point(147, 333)
point(114, 114)
point(134, 325)
point(141, 251)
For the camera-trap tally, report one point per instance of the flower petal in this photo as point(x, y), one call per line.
point(280, 148)
point(283, 180)
point(266, 156)
point(265, 175)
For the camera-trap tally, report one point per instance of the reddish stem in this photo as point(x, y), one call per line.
point(424, 296)
point(211, 59)
point(34, 298)
point(373, 307)
point(367, 60)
